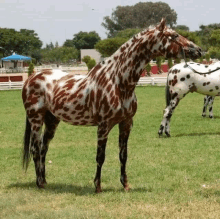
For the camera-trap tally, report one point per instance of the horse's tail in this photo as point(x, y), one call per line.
point(168, 95)
point(26, 149)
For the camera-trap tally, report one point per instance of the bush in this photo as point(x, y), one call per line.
point(91, 64)
point(170, 63)
point(31, 68)
point(86, 59)
point(148, 69)
point(207, 57)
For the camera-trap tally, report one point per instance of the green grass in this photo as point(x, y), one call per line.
point(177, 177)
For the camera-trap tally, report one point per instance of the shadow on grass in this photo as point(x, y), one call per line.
point(196, 134)
point(70, 188)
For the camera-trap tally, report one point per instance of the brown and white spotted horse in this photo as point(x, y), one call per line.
point(104, 98)
point(184, 78)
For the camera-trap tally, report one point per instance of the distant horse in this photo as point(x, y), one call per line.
point(208, 101)
point(104, 98)
point(184, 78)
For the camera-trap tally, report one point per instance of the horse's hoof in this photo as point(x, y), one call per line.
point(126, 188)
point(40, 185)
point(98, 190)
point(160, 134)
point(168, 134)
point(204, 116)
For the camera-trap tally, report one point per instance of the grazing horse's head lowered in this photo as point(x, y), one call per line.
point(104, 98)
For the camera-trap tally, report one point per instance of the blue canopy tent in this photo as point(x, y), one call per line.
point(15, 57)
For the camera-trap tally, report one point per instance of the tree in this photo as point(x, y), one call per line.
point(22, 42)
point(140, 15)
point(214, 52)
point(159, 63)
point(182, 27)
point(68, 43)
point(205, 33)
point(83, 40)
point(86, 59)
point(50, 46)
point(91, 64)
point(127, 33)
point(192, 36)
point(148, 68)
point(170, 63)
point(107, 47)
point(30, 69)
point(60, 54)
point(207, 57)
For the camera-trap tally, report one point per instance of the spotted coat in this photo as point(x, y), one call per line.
point(182, 80)
point(104, 98)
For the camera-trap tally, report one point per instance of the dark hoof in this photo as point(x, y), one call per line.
point(40, 185)
point(211, 117)
point(98, 190)
point(160, 134)
point(204, 116)
point(168, 135)
point(126, 188)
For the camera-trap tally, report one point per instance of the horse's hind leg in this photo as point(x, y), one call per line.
point(206, 101)
point(35, 145)
point(210, 102)
point(51, 123)
point(124, 132)
point(165, 124)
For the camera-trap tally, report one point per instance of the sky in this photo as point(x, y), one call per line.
point(58, 20)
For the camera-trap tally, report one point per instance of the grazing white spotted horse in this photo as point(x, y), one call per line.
point(184, 78)
point(104, 98)
point(208, 101)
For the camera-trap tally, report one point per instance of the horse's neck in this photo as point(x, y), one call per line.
point(130, 60)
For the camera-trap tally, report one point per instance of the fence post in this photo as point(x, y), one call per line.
point(152, 81)
point(9, 84)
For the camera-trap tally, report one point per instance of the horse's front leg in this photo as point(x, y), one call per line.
point(124, 132)
point(103, 131)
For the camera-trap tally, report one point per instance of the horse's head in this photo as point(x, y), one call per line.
point(172, 44)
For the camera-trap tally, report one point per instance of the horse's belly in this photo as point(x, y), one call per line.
point(74, 117)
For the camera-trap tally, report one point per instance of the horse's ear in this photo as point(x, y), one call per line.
point(162, 24)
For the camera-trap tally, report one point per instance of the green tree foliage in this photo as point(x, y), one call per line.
point(60, 54)
point(86, 59)
point(140, 15)
point(91, 64)
point(83, 40)
point(182, 27)
point(214, 52)
point(127, 33)
point(148, 68)
point(207, 57)
point(68, 43)
point(159, 63)
point(205, 33)
point(22, 42)
point(192, 36)
point(107, 47)
point(170, 63)
point(30, 68)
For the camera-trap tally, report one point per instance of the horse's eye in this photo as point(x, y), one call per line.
point(174, 36)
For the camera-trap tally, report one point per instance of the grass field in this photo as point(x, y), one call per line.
point(177, 177)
